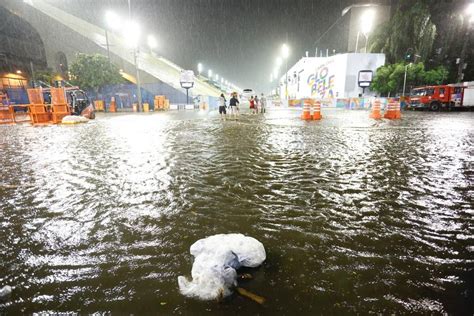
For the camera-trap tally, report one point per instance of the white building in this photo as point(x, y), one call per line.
point(329, 77)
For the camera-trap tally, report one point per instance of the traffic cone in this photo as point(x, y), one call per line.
point(391, 112)
point(317, 111)
point(375, 114)
point(398, 112)
point(306, 110)
point(112, 106)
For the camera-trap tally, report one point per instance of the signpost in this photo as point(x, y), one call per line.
point(186, 79)
point(365, 79)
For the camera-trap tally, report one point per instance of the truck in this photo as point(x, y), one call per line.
point(435, 98)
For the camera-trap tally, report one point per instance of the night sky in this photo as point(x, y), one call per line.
point(238, 39)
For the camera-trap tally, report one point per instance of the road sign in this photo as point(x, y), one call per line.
point(186, 79)
point(365, 78)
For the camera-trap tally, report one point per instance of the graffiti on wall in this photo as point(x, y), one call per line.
point(322, 81)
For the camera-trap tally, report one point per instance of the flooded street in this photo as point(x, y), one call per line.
point(356, 216)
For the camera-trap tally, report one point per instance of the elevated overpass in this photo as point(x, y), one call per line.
point(64, 35)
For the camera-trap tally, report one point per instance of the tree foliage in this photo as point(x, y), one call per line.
point(389, 78)
point(47, 76)
point(410, 27)
point(94, 72)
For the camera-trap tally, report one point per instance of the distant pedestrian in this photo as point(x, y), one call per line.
point(263, 104)
point(252, 104)
point(222, 107)
point(256, 104)
point(234, 105)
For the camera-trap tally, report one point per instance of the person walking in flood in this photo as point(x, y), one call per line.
point(256, 104)
point(252, 104)
point(234, 105)
point(222, 107)
point(263, 104)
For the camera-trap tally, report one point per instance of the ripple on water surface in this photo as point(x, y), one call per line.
point(356, 215)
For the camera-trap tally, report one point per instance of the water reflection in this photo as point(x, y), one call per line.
point(356, 215)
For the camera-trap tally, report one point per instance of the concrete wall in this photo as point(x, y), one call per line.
point(329, 77)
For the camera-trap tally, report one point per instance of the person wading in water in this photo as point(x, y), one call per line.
point(234, 105)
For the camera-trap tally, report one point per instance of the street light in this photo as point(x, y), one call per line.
point(279, 61)
point(152, 43)
point(200, 68)
point(366, 23)
point(470, 16)
point(209, 74)
point(112, 21)
point(131, 34)
point(470, 11)
point(217, 77)
point(286, 53)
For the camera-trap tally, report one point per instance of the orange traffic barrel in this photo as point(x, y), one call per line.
point(135, 107)
point(7, 115)
point(112, 105)
point(317, 111)
point(376, 114)
point(398, 112)
point(306, 115)
point(393, 111)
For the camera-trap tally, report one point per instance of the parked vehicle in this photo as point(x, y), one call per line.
point(77, 100)
point(246, 95)
point(435, 98)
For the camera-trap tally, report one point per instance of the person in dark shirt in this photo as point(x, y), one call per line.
point(234, 105)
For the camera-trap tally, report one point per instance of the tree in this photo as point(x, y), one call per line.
point(410, 27)
point(94, 72)
point(436, 76)
point(47, 76)
point(389, 78)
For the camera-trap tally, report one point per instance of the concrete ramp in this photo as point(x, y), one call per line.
point(156, 67)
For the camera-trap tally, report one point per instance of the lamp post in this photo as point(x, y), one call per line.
point(152, 43)
point(113, 21)
point(132, 35)
point(209, 74)
point(405, 78)
point(200, 68)
point(286, 53)
point(462, 57)
point(366, 23)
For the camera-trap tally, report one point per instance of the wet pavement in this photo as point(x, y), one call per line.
point(357, 216)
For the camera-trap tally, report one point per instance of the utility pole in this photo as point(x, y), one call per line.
point(139, 89)
point(405, 78)
point(463, 53)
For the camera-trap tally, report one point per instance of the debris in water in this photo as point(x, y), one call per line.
point(74, 119)
point(246, 276)
point(250, 295)
point(5, 291)
point(216, 259)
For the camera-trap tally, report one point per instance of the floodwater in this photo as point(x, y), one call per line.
point(356, 216)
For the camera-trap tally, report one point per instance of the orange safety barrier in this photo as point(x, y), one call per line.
point(7, 115)
point(317, 111)
point(38, 112)
point(112, 105)
point(307, 103)
point(22, 116)
point(393, 111)
point(376, 114)
point(59, 106)
point(99, 105)
point(135, 107)
point(146, 107)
